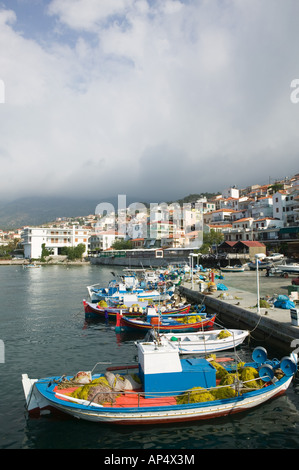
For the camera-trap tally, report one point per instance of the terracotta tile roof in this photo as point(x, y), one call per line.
point(251, 243)
point(265, 218)
point(242, 220)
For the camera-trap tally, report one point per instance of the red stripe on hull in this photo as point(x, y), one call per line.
point(190, 418)
point(102, 312)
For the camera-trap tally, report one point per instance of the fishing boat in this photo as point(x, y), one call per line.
point(162, 388)
point(93, 310)
point(233, 269)
point(165, 323)
point(31, 265)
point(116, 291)
point(202, 342)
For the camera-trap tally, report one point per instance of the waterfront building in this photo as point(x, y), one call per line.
point(53, 238)
point(248, 249)
point(101, 241)
point(137, 243)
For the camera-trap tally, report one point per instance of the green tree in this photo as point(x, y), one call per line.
point(275, 187)
point(209, 239)
point(213, 237)
point(73, 252)
point(45, 252)
point(122, 245)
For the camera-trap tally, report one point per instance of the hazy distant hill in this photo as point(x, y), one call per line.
point(38, 210)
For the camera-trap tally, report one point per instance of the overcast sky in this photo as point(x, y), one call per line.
point(155, 99)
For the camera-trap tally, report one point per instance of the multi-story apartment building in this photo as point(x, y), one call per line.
point(262, 207)
point(286, 206)
point(53, 238)
point(220, 216)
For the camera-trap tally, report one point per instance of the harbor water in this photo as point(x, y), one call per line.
point(44, 332)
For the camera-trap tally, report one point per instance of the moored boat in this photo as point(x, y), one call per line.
point(173, 323)
point(97, 311)
point(118, 292)
point(32, 265)
point(202, 342)
point(164, 388)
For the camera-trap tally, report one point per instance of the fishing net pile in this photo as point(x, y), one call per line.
point(103, 389)
point(224, 334)
point(190, 319)
point(245, 379)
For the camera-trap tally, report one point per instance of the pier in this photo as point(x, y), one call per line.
point(273, 326)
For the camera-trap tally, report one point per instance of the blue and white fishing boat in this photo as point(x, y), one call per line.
point(32, 265)
point(117, 290)
point(164, 388)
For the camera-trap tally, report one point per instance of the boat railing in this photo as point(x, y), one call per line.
point(238, 386)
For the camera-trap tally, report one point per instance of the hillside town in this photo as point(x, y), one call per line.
point(267, 214)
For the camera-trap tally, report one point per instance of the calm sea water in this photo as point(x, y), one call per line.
point(44, 331)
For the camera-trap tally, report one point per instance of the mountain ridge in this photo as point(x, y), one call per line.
point(41, 210)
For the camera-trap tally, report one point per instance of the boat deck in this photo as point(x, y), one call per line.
point(126, 399)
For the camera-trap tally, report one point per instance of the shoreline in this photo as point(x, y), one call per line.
point(22, 262)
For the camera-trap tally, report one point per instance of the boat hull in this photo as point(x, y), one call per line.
point(144, 415)
point(288, 268)
point(232, 269)
point(128, 324)
point(112, 312)
point(207, 345)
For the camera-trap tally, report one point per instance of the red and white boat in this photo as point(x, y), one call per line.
point(94, 310)
point(163, 323)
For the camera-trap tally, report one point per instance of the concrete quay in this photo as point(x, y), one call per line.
point(273, 326)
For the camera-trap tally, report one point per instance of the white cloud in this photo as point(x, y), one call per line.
point(87, 14)
point(149, 98)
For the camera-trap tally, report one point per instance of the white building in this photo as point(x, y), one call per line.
point(262, 207)
point(231, 192)
point(104, 240)
point(53, 238)
point(220, 216)
point(285, 206)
